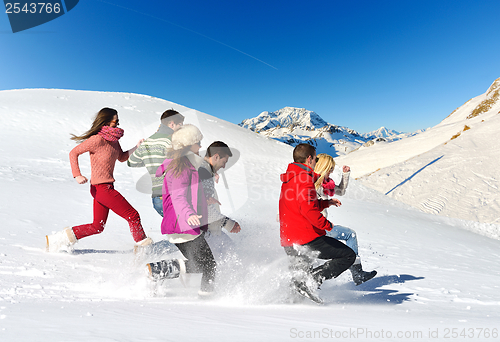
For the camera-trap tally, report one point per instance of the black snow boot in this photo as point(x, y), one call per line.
point(359, 276)
point(164, 269)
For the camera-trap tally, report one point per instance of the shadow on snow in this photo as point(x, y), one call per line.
point(370, 292)
point(409, 178)
point(158, 248)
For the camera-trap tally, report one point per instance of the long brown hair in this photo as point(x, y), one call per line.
point(103, 118)
point(179, 161)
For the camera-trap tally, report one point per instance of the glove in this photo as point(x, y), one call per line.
point(328, 187)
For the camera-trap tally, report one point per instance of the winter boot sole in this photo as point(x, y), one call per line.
point(305, 292)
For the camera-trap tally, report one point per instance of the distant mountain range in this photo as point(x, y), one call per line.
point(389, 134)
point(297, 125)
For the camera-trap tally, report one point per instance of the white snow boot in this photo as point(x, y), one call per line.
point(142, 250)
point(62, 240)
point(143, 245)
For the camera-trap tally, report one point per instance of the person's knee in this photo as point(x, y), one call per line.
point(133, 216)
point(98, 228)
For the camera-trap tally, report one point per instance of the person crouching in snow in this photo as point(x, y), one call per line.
point(101, 141)
point(185, 212)
point(326, 187)
point(303, 228)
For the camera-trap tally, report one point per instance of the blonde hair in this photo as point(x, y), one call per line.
point(179, 160)
point(182, 140)
point(323, 166)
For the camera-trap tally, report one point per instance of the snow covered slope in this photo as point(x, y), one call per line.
point(297, 125)
point(450, 169)
point(436, 279)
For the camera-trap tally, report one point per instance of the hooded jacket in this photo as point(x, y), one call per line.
point(300, 215)
point(182, 197)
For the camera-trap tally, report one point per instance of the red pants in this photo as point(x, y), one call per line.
point(106, 198)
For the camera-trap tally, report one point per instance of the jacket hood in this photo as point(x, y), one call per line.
point(296, 169)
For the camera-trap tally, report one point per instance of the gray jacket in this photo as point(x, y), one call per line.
point(216, 221)
point(340, 189)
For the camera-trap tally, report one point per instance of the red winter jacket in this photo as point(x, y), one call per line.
point(301, 220)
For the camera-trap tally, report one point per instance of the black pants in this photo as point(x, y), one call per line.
point(199, 260)
point(339, 258)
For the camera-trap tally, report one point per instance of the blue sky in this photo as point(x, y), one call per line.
point(401, 64)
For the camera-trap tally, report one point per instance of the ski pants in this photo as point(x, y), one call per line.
point(339, 257)
point(107, 198)
point(200, 260)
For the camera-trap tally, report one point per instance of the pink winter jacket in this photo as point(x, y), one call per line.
point(182, 197)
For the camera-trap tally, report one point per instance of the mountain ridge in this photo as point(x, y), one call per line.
point(293, 126)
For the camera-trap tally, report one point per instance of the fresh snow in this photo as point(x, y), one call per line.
point(450, 169)
point(437, 280)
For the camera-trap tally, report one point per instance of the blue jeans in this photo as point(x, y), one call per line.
point(158, 204)
point(345, 234)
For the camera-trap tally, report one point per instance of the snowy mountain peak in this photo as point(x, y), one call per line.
point(382, 132)
point(494, 88)
point(298, 125)
point(290, 117)
point(491, 100)
point(481, 107)
point(389, 134)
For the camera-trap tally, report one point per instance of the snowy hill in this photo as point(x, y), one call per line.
point(450, 169)
point(435, 277)
point(297, 125)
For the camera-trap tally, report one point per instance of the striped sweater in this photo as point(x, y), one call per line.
point(151, 154)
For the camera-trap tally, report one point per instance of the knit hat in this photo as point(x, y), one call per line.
point(187, 135)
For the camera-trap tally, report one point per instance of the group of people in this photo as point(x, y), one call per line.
point(184, 194)
point(305, 232)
